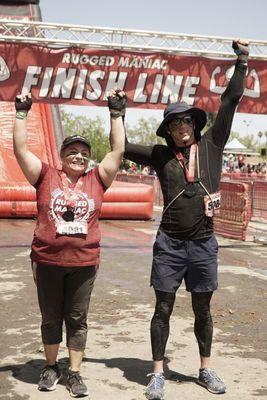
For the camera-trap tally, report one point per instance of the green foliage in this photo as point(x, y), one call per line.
point(144, 132)
point(249, 140)
point(92, 129)
point(210, 120)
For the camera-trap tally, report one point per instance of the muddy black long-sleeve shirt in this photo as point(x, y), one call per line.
point(185, 219)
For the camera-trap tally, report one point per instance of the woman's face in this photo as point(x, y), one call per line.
point(75, 158)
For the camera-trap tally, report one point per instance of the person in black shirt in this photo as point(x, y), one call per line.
point(189, 171)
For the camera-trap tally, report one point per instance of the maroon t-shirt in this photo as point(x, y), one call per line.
point(67, 250)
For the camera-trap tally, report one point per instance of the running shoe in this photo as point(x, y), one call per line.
point(49, 378)
point(75, 385)
point(155, 388)
point(211, 381)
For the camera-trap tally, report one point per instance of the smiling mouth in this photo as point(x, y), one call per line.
point(182, 134)
point(79, 164)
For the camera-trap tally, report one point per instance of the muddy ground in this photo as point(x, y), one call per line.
point(118, 354)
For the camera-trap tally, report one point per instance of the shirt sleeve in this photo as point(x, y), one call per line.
point(44, 169)
point(97, 175)
point(230, 99)
point(138, 153)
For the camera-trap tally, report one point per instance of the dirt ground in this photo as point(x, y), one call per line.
point(118, 354)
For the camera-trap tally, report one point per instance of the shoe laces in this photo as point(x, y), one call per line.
point(76, 376)
point(46, 371)
point(157, 380)
point(210, 373)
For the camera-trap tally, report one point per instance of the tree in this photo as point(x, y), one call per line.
point(92, 129)
point(249, 141)
point(144, 132)
point(210, 120)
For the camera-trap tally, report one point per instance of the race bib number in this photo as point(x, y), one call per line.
point(72, 228)
point(212, 203)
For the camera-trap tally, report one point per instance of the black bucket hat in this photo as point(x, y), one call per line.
point(173, 109)
point(75, 138)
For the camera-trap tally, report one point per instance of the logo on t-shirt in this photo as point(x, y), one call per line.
point(82, 206)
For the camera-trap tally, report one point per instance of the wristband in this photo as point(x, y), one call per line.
point(238, 52)
point(116, 114)
point(242, 61)
point(22, 114)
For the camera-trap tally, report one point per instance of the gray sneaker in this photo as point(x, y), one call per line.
point(49, 378)
point(75, 385)
point(155, 388)
point(211, 381)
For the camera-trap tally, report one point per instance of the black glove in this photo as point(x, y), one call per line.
point(240, 49)
point(118, 104)
point(23, 105)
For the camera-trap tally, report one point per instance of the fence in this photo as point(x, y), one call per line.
point(242, 198)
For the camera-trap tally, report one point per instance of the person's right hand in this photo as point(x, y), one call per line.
point(23, 102)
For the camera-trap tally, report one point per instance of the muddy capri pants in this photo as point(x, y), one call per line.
point(64, 295)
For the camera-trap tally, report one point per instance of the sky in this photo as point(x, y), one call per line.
point(227, 18)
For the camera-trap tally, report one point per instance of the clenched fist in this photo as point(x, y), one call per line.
point(117, 101)
point(23, 102)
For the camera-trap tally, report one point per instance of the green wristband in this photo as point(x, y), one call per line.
point(117, 114)
point(21, 114)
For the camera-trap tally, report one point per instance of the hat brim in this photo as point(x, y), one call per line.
point(75, 140)
point(198, 114)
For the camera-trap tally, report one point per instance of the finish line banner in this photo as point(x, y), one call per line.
point(151, 80)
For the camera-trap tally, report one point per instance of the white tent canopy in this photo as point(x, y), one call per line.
point(235, 145)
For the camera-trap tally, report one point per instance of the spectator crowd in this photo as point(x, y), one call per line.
point(232, 164)
point(237, 165)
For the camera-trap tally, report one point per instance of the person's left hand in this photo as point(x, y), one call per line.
point(241, 47)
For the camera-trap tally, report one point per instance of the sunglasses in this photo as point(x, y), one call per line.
point(175, 122)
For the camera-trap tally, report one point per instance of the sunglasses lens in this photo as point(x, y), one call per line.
point(187, 120)
point(174, 123)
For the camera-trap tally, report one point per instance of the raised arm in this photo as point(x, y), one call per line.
point(109, 166)
point(30, 164)
point(232, 95)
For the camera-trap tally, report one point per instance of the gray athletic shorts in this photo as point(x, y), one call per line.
point(195, 261)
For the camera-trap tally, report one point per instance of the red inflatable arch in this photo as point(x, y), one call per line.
point(128, 201)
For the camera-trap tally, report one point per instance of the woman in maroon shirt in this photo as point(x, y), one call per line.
point(65, 247)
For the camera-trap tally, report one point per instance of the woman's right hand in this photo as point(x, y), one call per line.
point(23, 102)
point(30, 164)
